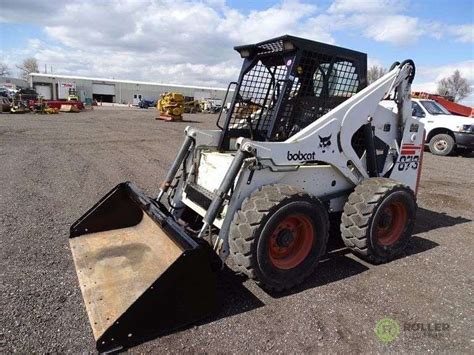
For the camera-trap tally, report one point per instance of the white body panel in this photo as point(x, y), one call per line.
point(212, 168)
point(451, 122)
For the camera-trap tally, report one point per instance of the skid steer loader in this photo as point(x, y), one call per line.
point(314, 140)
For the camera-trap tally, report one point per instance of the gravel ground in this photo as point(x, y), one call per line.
point(53, 168)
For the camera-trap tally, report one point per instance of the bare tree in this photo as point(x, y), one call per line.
point(455, 86)
point(4, 70)
point(375, 72)
point(29, 65)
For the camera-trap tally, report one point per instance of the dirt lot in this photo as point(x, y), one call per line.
point(53, 168)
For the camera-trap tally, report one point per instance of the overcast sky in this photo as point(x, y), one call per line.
point(190, 42)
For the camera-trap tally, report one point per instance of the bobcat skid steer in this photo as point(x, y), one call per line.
point(304, 137)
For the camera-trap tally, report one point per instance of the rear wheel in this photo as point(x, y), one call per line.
point(441, 144)
point(278, 236)
point(378, 219)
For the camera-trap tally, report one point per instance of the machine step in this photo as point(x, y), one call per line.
point(199, 195)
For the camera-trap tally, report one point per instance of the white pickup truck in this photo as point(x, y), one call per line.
point(444, 131)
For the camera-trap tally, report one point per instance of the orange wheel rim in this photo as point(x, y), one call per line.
point(391, 223)
point(291, 242)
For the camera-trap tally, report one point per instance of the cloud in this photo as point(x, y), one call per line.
point(169, 41)
point(21, 11)
point(427, 77)
point(396, 29)
point(190, 42)
point(366, 6)
point(463, 33)
point(386, 21)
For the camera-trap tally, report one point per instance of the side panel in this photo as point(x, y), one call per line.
point(212, 168)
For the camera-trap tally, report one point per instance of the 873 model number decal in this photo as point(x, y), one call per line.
point(408, 161)
point(410, 157)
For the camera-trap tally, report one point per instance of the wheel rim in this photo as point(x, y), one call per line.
point(441, 145)
point(291, 242)
point(391, 223)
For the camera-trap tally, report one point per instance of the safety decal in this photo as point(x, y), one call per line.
point(411, 149)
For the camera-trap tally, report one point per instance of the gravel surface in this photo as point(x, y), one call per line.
point(53, 168)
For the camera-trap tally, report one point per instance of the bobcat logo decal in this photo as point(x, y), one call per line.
point(325, 142)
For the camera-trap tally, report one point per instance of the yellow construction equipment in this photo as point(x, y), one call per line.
point(72, 95)
point(171, 107)
point(51, 110)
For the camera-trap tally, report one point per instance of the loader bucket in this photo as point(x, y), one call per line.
point(140, 274)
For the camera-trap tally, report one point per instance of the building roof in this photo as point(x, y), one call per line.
point(53, 76)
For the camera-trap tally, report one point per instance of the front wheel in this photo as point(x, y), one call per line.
point(278, 236)
point(441, 144)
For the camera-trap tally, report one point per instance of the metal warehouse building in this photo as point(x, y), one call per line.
point(52, 86)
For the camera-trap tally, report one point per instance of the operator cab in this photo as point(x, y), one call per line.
point(287, 83)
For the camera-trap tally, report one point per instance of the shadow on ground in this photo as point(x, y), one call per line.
point(338, 264)
point(427, 220)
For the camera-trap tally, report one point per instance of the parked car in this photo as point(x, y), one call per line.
point(146, 103)
point(445, 132)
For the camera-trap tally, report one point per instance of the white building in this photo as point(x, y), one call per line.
point(52, 86)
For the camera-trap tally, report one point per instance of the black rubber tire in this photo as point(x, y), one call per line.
point(363, 210)
point(449, 144)
point(253, 224)
point(463, 151)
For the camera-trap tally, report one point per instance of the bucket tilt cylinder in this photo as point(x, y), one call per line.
point(183, 151)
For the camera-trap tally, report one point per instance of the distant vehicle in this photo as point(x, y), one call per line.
point(26, 94)
point(447, 102)
point(444, 131)
point(72, 96)
point(211, 105)
point(146, 103)
point(7, 92)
